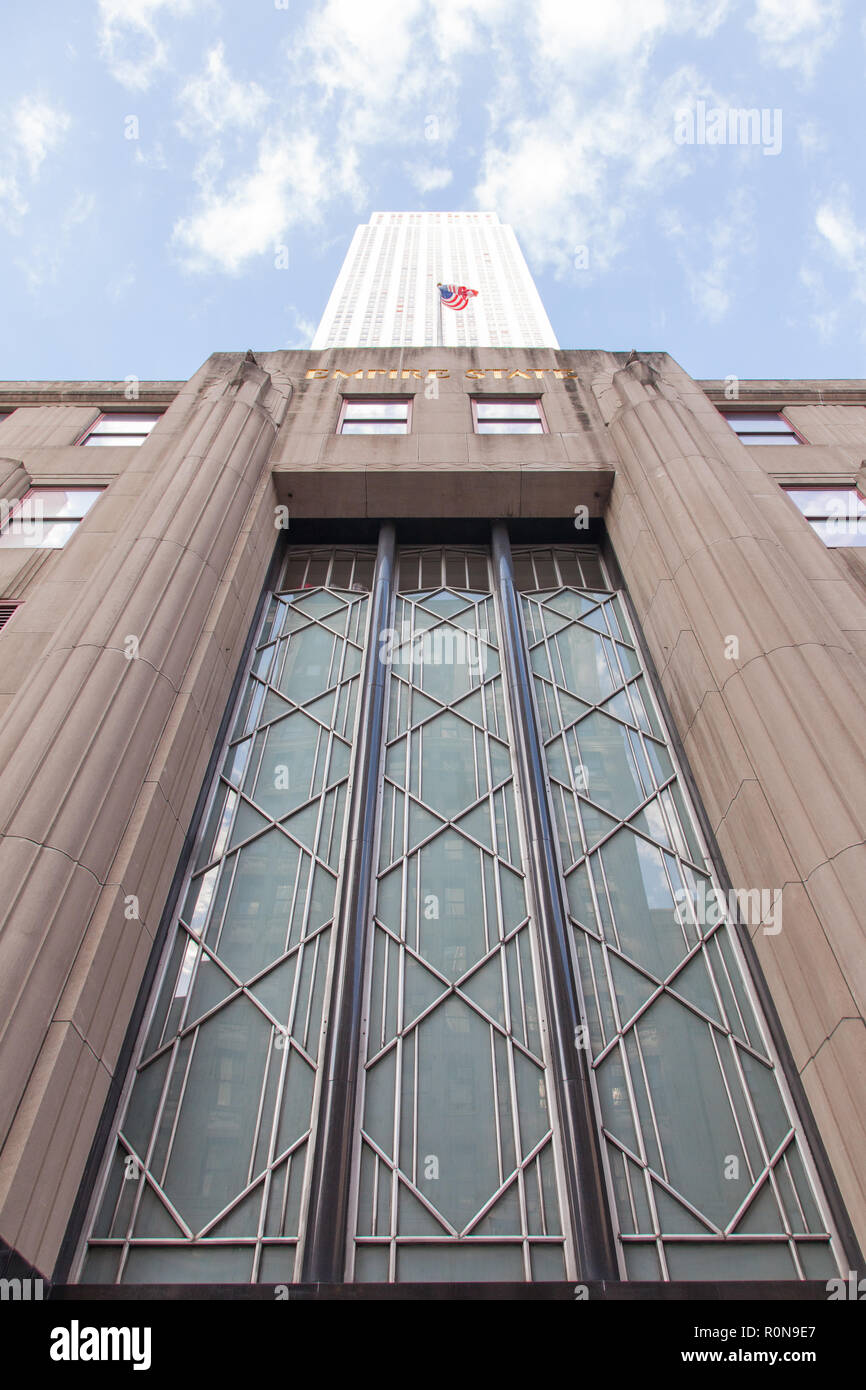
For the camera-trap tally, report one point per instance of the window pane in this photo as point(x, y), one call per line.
point(839, 532)
point(376, 410)
point(115, 440)
point(124, 424)
point(507, 410)
point(56, 502)
point(758, 421)
point(51, 535)
point(510, 427)
point(828, 501)
point(374, 427)
point(769, 438)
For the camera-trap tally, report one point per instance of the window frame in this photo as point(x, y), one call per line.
point(87, 434)
point(49, 520)
point(790, 488)
point(489, 399)
point(759, 413)
point(346, 401)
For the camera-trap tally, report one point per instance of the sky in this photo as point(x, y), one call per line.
point(179, 177)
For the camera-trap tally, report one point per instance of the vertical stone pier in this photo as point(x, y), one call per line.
point(774, 731)
point(103, 755)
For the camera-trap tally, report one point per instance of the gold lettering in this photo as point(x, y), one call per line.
point(471, 373)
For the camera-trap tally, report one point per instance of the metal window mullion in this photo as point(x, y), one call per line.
point(324, 1249)
point(586, 1188)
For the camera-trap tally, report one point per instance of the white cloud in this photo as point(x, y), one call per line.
point(213, 101)
point(36, 130)
point(118, 286)
point(579, 129)
point(846, 240)
point(253, 212)
point(575, 172)
point(796, 33)
point(303, 330)
point(46, 254)
point(457, 24)
point(811, 137)
point(382, 71)
point(838, 242)
point(710, 255)
point(597, 35)
point(825, 317)
point(580, 141)
point(153, 158)
point(364, 51)
point(427, 178)
point(30, 132)
point(129, 41)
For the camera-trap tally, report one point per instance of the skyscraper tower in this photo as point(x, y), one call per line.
point(386, 292)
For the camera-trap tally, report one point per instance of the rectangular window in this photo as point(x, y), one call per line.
point(45, 517)
point(513, 415)
point(838, 514)
point(763, 427)
point(364, 415)
point(120, 428)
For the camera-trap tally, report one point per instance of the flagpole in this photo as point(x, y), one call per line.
point(439, 297)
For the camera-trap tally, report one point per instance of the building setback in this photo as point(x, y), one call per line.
point(382, 729)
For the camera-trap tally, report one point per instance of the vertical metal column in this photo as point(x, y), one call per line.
point(326, 1225)
point(586, 1189)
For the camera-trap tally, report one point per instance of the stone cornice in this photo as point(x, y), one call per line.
point(775, 394)
point(150, 393)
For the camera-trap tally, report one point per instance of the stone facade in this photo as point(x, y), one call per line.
point(104, 757)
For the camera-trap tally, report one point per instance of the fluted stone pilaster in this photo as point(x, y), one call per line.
point(90, 809)
point(711, 550)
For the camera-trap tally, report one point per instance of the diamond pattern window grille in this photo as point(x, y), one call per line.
point(458, 1169)
point(707, 1171)
point(210, 1166)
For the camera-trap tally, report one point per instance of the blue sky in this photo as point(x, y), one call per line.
point(183, 176)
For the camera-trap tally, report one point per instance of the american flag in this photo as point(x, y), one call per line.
point(455, 296)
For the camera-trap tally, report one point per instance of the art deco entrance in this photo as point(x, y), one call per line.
point(441, 1001)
